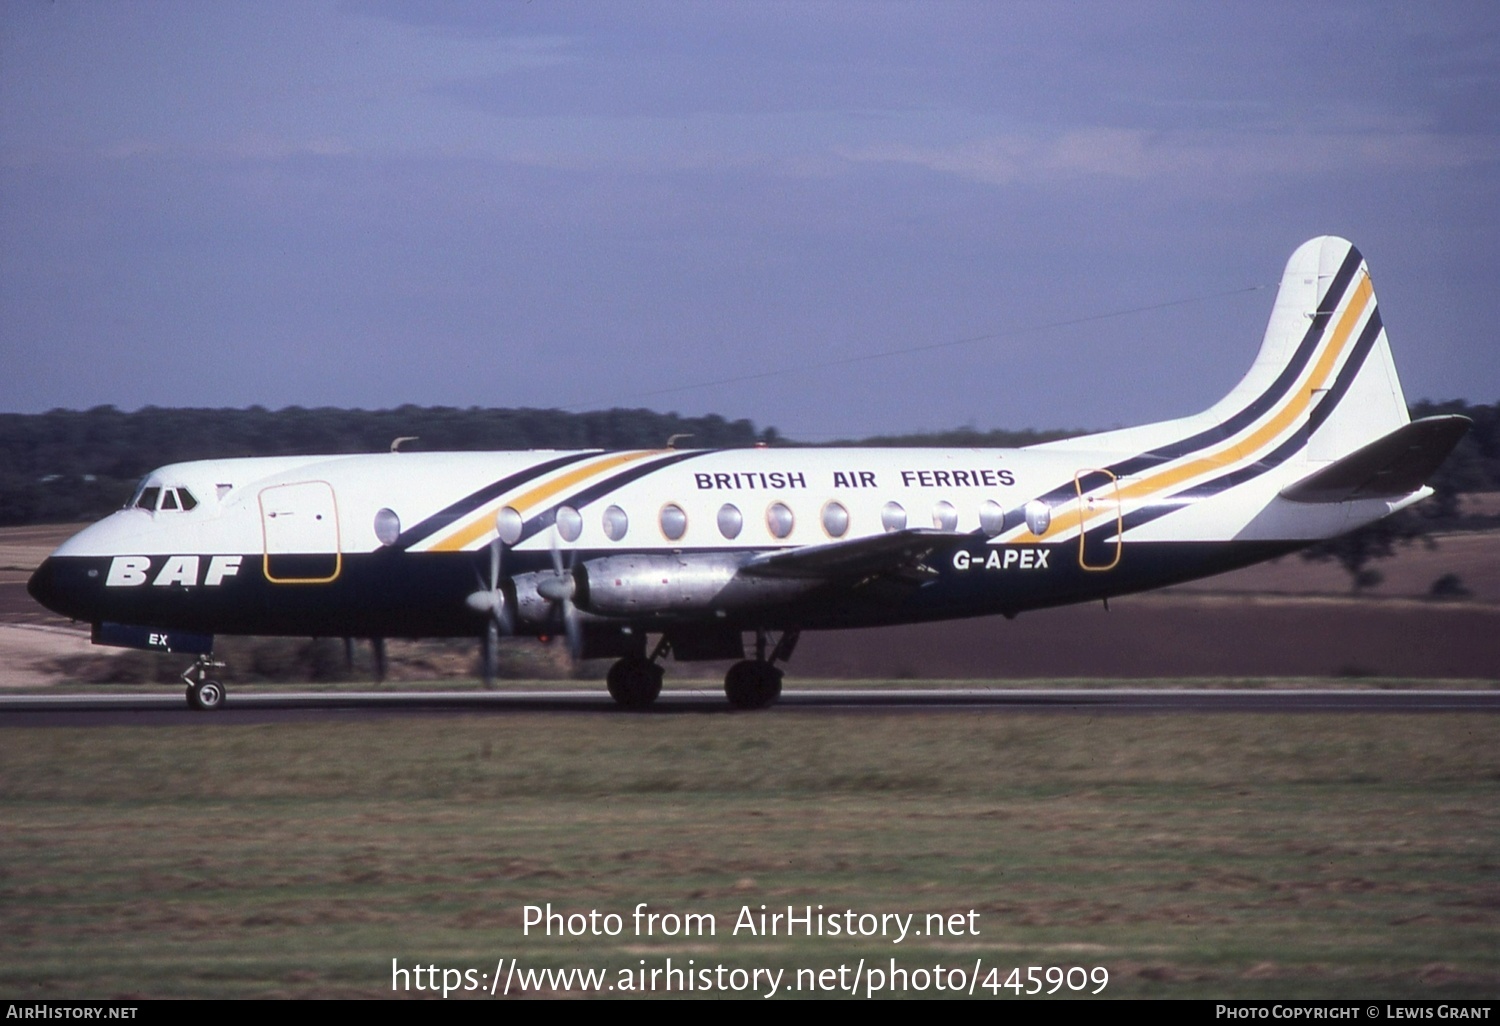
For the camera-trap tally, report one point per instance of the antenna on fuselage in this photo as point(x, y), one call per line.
point(672, 439)
point(396, 442)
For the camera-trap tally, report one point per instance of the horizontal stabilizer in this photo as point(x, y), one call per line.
point(1394, 465)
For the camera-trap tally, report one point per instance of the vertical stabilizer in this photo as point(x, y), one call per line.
point(1324, 374)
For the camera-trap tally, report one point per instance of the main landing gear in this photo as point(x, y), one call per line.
point(635, 680)
point(203, 692)
point(756, 683)
point(752, 684)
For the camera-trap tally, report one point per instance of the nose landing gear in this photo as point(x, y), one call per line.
point(203, 692)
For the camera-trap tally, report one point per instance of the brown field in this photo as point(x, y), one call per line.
point(1289, 618)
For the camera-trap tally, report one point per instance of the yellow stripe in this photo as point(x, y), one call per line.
point(482, 523)
point(1292, 408)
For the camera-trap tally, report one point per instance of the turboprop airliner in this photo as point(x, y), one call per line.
point(731, 554)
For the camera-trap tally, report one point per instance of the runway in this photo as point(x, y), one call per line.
point(267, 707)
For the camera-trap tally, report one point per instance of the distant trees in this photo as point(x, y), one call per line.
point(80, 464)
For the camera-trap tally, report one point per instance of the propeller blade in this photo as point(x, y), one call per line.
point(491, 652)
point(490, 598)
point(574, 631)
point(502, 610)
point(560, 592)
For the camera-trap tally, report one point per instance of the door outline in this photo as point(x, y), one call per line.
point(1089, 504)
point(266, 516)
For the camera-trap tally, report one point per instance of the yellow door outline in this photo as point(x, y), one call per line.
point(1090, 508)
point(266, 553)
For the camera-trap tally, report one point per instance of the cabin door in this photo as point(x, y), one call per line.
point(300, 524)
point(1100, 523)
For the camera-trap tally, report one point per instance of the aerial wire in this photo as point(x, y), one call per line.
point(1007, 335)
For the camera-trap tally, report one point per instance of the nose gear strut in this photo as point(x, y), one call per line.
point(203, 692)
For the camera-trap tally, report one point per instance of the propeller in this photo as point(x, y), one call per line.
point(559, 590)
point(490, 598)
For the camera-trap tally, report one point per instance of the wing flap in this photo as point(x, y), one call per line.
point(1394, 465)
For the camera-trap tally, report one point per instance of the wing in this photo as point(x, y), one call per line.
point(897, 553)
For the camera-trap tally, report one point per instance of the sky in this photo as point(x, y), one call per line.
point(838, 219)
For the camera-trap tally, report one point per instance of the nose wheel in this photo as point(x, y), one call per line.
point(203, 692)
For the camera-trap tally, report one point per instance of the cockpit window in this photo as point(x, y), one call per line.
point(188, 502)
point(169, 499)
point(147, 498)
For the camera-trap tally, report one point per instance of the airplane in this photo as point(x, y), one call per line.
point(699, 549)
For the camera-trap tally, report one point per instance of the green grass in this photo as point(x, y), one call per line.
point(1223, 855)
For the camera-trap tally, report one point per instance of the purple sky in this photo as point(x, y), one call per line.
point(656, 204)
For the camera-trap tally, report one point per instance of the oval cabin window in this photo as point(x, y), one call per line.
point(835, 519)
point(673, 521)
point(731, 522)
point(893, 517)
point(779, 520)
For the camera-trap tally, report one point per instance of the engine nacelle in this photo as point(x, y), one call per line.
point(533, 603)
point(648, 584)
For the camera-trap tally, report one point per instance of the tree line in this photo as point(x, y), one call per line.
point(78, 465)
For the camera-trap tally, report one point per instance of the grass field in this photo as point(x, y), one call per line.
point(1219, 856)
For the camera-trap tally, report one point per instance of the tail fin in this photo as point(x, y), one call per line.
point(1324, 370)
point(1319, 419)
point(1321, 386)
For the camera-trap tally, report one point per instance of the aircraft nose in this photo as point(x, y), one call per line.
point(46, 588)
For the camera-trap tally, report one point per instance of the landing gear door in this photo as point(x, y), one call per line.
point(300, 524)
point(1100, 524)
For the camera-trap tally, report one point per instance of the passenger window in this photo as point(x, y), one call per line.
point(509, 525)
point(731, 522)
point(893, 517)
point(616, 523)
point(945, 517)
point(387, 526)
point(835, 519)
point(673, 521)
point(1038, 516)
point(569, 523)
point(779, 519)
point(991, 517)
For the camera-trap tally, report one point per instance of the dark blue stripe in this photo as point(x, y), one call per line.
point(580, 499)
point(1267, 400)
point(1283, 452)
point(469, 503)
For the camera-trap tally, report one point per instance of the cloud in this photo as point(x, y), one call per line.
point(1142, 154)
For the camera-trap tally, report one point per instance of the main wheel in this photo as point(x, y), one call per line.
point(752, 684)
point(206, 694)
point(635, 682)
